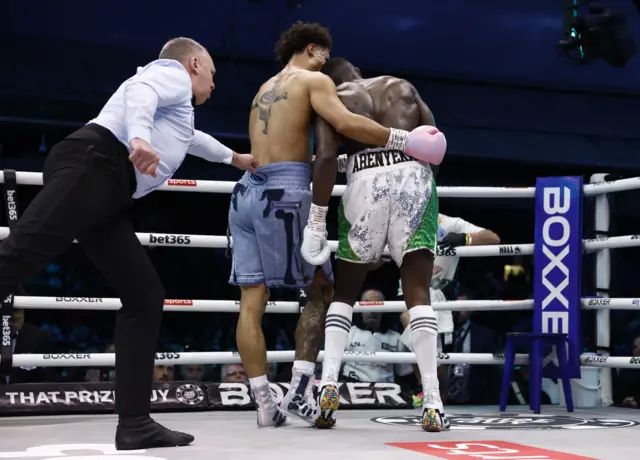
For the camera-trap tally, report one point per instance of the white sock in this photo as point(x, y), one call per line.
point(256, 382)
point(303, 367)
point(336, 335)
point(262, 396)
point(405, 338)
point(302, 378)
point(424, 336)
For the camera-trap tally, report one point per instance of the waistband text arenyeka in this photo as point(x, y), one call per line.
point(376, 159)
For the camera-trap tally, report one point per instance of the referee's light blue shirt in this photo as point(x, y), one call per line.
point(155, 105)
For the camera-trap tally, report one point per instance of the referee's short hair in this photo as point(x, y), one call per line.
point(181, 48)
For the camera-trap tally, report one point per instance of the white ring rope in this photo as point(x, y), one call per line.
point(209, 241)
point(210, 186)
point(505, 250)
point(232, 306)
point(228, 357)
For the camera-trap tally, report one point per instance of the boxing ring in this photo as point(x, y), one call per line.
point(477, 432)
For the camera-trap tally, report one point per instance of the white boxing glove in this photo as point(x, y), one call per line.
point(315, 248)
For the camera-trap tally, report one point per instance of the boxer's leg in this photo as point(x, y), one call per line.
point(279, 224)
point(318, 295)
point(253, 350)
point(412, 243)
point(249, 336)
point(310, 329)
point(424, 331)
point(299, 401)
point(443, 370)
point(248, 273)
point(363, 222)
point(349, 281)
point(115, 250)
point(405, 338)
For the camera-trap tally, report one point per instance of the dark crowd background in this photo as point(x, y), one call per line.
point(514, 105)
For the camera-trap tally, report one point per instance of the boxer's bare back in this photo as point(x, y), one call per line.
point(390, 101)
point(281, 115)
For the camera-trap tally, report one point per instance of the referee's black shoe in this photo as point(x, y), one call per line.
point(144, 433)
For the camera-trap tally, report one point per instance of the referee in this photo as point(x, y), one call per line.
point(91, 179)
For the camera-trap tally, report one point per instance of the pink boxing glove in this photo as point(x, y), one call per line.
point(426, 144)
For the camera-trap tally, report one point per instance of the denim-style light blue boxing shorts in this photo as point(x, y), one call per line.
point(268, 212)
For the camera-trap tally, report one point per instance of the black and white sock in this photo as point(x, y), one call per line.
point(424, 337)
point(336, 336)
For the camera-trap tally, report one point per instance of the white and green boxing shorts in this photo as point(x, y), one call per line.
point(390, 199)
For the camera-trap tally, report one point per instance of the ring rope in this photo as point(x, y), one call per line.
point(504, 250)
point(232, 357)
point(190, 185)
point(211, 186)
point(233, 306)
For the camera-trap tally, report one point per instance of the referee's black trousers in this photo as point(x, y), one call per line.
point(88, 183)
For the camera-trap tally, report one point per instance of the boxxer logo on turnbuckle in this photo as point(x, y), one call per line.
point(556, 232)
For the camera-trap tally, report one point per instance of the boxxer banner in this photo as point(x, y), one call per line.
point(77, 398)
point(558, 265)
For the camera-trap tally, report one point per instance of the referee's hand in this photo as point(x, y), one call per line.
point(143, 157)
point(245, 162)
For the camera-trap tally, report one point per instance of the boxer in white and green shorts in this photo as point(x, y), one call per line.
point(390, 199)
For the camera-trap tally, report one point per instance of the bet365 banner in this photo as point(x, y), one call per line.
point(558, 265)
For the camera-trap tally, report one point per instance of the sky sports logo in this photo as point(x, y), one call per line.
point(182, 183)
point(179, 302)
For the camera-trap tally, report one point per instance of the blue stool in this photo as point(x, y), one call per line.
point(536, 342)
